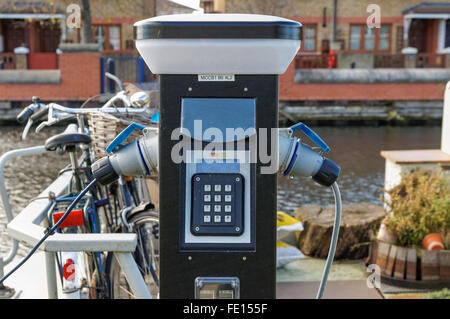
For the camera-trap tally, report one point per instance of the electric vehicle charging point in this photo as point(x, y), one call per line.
point(218, 150)
point(217, 210)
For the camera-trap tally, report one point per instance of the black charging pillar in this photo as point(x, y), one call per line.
point(253, 265)
point(218, 219)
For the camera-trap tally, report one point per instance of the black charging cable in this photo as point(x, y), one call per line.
point(50, 231)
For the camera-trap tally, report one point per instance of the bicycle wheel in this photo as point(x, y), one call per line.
point(146, 225)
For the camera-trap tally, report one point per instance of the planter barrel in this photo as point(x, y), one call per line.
point(389, 270)
point(444, 264)
point(405, 264)
point(382, 255)
point(430, 265)
point(400, 263)
point(411, 264)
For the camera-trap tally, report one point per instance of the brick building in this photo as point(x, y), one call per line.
point(41, 26)
point(336, 36)
point(341, 26)
point(32, 33)
point(346, 69)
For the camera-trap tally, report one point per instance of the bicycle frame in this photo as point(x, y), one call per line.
point(74, 262)
point(71, 251)
point(26, 226)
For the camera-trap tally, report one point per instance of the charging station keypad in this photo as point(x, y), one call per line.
point(217, 207)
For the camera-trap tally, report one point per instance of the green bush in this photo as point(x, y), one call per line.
point(441, 294)
point(418, 206)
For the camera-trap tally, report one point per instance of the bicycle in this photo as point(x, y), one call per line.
point(123, 199)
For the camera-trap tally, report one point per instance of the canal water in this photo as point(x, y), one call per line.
point(355, 149)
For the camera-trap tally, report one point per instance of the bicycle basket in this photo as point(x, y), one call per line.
point(105, 127)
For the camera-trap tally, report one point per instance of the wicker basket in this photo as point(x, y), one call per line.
point(105, 127)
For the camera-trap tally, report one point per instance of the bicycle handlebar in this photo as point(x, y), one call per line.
point(115, 79)
point(56, 112)
point(39, 114)
point(25, 114)
point(111, 110)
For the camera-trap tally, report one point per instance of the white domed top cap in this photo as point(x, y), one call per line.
point(217, 43)
point(214, 17)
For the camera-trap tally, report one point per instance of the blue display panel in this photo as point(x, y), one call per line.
point(202, 118)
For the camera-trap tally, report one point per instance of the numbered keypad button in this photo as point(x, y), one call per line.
point(217, 204)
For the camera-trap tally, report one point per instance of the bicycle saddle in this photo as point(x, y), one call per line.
point(70, 137)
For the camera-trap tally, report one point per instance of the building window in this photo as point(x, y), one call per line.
point(447, 34)
point(207, 6)
point(369, 39)
point(108, 37)
point(384, 38)
point(309, 38)
point(355, 37)
point(363, 38)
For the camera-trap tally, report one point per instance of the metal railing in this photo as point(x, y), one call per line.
point(430, 60)
point(5, 199)
point(7, 61)
point(380, 60)
point(26, 227)
point(388, 61)
point(128, 67)
point(315, 61)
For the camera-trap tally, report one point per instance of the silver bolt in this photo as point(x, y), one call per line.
point(197, 228)
point(245, 89)
point(189, 89)
point(237, 229)
point(197, 179)
point(237, 179)
point(244, 258)
point(190, 258)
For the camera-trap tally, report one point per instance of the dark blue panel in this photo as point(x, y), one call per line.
point(204, 115)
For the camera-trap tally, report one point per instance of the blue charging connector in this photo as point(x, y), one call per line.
point(313, 136)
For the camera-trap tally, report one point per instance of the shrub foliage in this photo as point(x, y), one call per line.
point(418, 206)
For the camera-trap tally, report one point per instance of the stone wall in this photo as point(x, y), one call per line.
point(290, 90)
point(360, 60)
